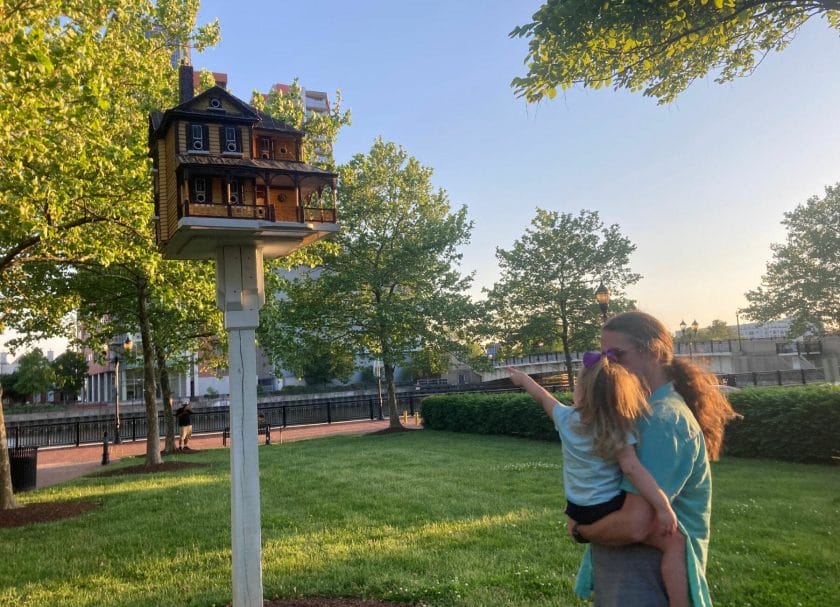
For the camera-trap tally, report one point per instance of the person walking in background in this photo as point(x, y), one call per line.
point(184, 415)
point(598, 439)
point(683, 431)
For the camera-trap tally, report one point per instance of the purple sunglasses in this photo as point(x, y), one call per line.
point(590, 359)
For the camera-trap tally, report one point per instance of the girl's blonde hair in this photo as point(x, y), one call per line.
point(610, 399)
point(698, 388)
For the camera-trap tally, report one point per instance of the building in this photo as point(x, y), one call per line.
point(774, 329)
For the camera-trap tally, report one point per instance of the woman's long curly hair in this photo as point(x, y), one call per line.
point(609, 399)
point(698, 388)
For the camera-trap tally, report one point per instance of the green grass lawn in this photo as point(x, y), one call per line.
point(424, 517)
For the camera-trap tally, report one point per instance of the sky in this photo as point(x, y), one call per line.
point(700, 186)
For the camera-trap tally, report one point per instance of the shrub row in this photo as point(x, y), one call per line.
point(799, 424)
point(514, 414)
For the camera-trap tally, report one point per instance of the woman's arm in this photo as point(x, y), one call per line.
point(537, 392)
point(630, 525)
point(645, 483)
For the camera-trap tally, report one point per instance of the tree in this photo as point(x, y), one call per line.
point(323, 361)
point(548, 280)
point(35, 374)
point(803, 279)
point(390, 284)
point(70, 371)
point(78, 81)
point(657, 47)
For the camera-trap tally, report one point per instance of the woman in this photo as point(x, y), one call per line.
point(676, 442)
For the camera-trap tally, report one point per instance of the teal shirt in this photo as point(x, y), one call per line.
point(671, 447)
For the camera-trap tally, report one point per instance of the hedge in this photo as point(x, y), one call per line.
point(514, 414)
point(798, 423)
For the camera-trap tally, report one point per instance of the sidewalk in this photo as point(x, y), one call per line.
point(67, 463)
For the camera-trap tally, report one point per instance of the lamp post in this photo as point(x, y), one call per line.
point(126, 347)
point(602, 296)
point(689, 332)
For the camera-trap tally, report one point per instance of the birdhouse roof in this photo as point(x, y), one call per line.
point(251, 163)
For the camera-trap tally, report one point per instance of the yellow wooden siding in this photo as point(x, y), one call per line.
point(215, 143)
point(181, 128)
point(246, 142)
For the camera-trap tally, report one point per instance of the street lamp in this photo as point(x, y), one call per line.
point(126, 347)
point(689, 332)
point(602, 296)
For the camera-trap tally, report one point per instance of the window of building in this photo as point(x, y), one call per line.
point(266, 148)
point(200, 190)
point(231, 138)
point(199, 140)
point(234, 192)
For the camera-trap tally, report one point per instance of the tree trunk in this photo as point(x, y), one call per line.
point(7, 494)
point(568, 355)
point(166, 392)
point(153, 457)
point(393, 415)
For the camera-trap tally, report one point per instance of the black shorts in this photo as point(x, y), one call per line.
point(589, 514)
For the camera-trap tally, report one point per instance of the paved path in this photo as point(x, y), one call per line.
point(66, 463)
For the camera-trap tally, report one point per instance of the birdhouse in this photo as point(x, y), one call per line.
point(226, 174)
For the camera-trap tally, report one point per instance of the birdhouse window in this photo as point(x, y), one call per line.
point(231, 138)
point(234, 191)
point(199, 190)
point(266, 148)
point(199, 138)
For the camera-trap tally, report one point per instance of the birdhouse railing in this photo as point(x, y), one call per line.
point(317, 214)
point(234, 211)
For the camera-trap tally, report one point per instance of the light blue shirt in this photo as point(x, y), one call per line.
point(587, 478)
point(672, 448)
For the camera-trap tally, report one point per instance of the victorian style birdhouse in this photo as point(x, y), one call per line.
point(227, 174)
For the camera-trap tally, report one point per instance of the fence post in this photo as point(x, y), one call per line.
point(78, 433)
point(755, 378)
point(779, 376)
point(284, 416)
point(329, 413)
point(370, 407)
point(105, 457)
point(802, 375)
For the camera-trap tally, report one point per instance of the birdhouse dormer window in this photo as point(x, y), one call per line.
point(199, 138)
point(231, 138)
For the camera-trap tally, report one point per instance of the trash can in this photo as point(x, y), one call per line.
point(23, 462)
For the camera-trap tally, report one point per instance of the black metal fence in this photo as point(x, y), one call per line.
point(88, 430)
point(773, 378)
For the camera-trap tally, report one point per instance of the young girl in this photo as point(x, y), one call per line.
point(597, 437)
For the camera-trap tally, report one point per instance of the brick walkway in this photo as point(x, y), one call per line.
point(66, 463)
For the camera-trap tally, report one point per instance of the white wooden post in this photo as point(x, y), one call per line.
point(240, 294)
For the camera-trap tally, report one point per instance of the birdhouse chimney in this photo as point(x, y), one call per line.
point(185, 82)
